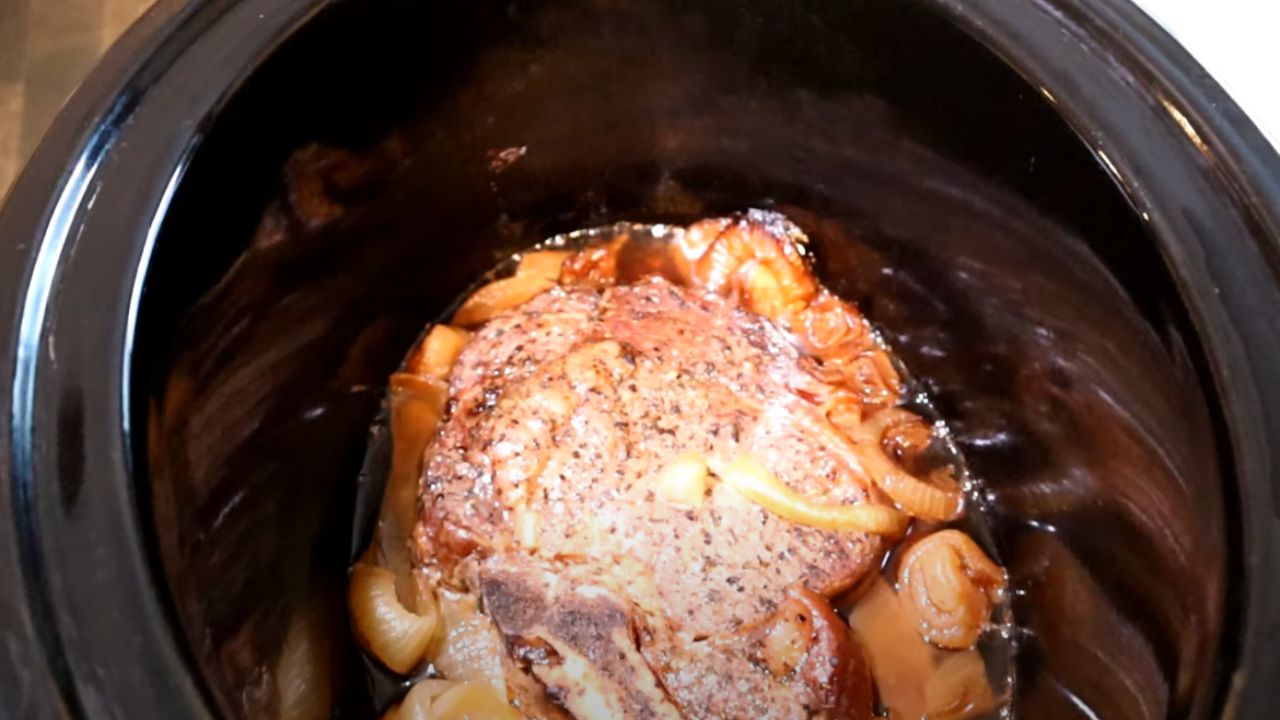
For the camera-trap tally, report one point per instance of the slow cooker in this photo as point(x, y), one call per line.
point(1063, 226)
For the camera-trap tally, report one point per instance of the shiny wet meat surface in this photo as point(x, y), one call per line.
point(543, 481)
point(568, 410)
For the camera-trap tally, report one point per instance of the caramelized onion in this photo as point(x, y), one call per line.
point(877, 425)
point(958, 688)
point(391, 632)
point(469, 648)
point(687, 247)
point(684, 480)
point(435, 699)
point(765, 293)
point(499, 296)
point(828, 323)
point(416, 405)
point(596, 266)
point(438, 352)
point(468, 701)
point(769, 276)
point(835, 667)
point(843, 409)
point(868, 371)
point(542, 263)
point(951, 585)
point(912, 679)
point(901, 663)
point(527, 527)
point(750, 478)
point(417, 702)
point(926, 500)
point(713, 271)
point(916, 497)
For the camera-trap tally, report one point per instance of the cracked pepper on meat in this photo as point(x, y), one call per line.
point(630, 478)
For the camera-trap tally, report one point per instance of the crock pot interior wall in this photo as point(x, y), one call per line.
point(941, 191)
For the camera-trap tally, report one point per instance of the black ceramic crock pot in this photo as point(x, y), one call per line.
point(1067, 231)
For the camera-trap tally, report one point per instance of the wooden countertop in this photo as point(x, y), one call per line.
point(46, 49)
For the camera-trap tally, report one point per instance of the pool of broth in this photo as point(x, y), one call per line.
point(643, 255)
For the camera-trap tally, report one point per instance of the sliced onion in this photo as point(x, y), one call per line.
point(876, 425)
point(594, 266)
point(439, 351)
point(912, 679)
point(391, 632)
point(469, 701)
point(843, 409)
point(958, 688)
point(714, 271)
point(872, 374)
point(916, 497)
point(901, 663)
point(542, 263)
point(694, 242)
point(684, 480)
point(829, 322)
point(500, 296)
point(951, 585)
point(925, 500)
point(469, 648)
point(435, 699)
point(416, 404)
point(417, 703)
point(751, 479)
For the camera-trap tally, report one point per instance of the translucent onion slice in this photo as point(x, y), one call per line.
point(542, 263)
point(958, 688)
point(843, 409)
point(469, 701)
point(901, 663)
point(594, 266)
point(469, 648)
point(395, 635)
point(500, 296)
point(874, 428)
point(438, 352)
point(684, 480)
point(436, 699)
point(828, 322)
point(715, 269)
point(418, 701)
point(416, 405)
point(925, 500)
point(694, 242)
point(917, 497)
point(763, 293)
point(750, 478)
point(951, 585)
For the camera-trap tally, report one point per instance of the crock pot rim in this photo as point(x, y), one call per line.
point(50, 213)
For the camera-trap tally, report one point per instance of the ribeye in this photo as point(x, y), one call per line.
point(539, 495)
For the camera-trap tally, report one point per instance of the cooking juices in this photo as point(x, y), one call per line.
point(658, 471)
